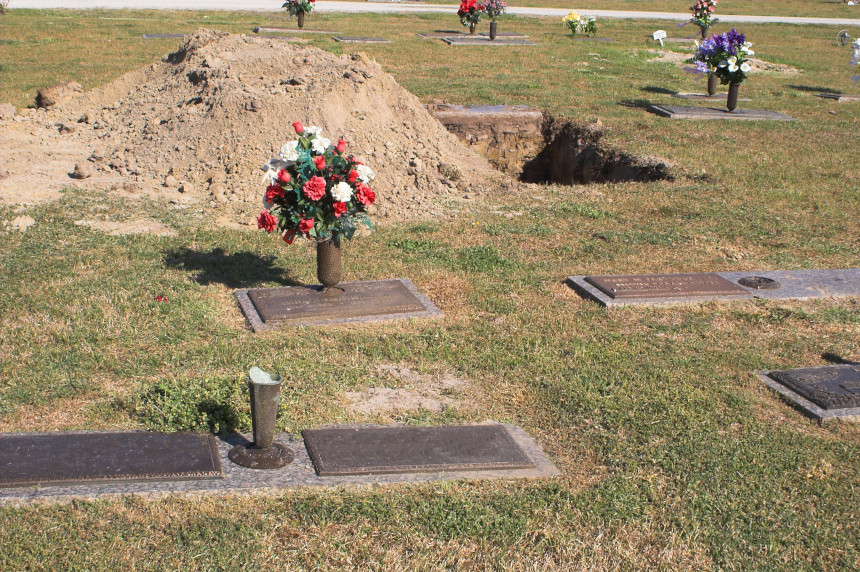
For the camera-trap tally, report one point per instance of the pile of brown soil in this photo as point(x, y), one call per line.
point(204, 120)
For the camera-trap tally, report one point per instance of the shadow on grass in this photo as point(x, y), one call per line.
point(234, 270)
point(812, 89)
point(655, 89)
point(837, 359)
point(635, 103)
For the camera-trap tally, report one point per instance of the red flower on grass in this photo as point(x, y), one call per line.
point(161, 298)
point(314, 189)
point(339, 209)
point(274, 191)
point(365, 195)
point(306, 224)
point(267, 221)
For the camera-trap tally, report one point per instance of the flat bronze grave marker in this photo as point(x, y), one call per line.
point(665, 285)
point(839, 97)
point(824, 393)
point(471, 40)
point(282, 30)
point(383, 450)
point(687, 112)
point(360, 40)
point(348, 302)
point(706, 97)
point(29, 459)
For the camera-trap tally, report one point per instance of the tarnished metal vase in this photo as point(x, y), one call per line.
point(264, 390)
point(493, 29)
point(328, 263)
point(732, 99)
point(472, 28)
point(712, 84)
point(705, 33)
point(301, 17)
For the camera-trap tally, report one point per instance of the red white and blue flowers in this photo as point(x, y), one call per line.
point(724, 55)
point(314, 190)
point(703, 11)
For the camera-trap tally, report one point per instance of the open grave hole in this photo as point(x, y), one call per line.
point(538, 148)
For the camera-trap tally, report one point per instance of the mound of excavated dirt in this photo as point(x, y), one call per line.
point(204, 120)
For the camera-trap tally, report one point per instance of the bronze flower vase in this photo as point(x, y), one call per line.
point(712, 84)
point(732, 99)
point(301, 17)
point(705, 33)
point(493, 29)
point(328, 263)
point(264, 390)
point(471, 28)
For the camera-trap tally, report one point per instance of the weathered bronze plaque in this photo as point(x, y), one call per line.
point(378, 450)
point(347, 300)
point(665, 285)
point(29, 459)
point(829, 387)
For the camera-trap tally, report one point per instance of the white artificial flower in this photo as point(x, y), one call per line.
point(747, 44)
point(364, 173)
point(312, 130)
point(750, 53)
point(722, 64)
point(269, 174)
point(732, 60)
point(289, 151)
point(319, 145)
point(341, 192)
point(745, 67)
point(733, 68)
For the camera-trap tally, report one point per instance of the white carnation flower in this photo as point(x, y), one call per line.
point(745, 67)
point(312, 130)
point(319, 145)
point(365, 174)
point(289, 152)
point(341, 192)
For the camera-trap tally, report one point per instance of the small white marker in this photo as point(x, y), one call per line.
point(659, 35)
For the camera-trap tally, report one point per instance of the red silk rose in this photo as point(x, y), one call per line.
point(314, 189)
point(298, 127)
point(273, 191)
point(290, 236)
point(306, 224)
point(341, 146)
point(283, 176)
point(267, 221)
point(339, 209)
point(352, 176)
point(319, 162)
point(365, 195)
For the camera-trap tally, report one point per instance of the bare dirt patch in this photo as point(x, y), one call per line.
point(207, 117)
point(421, 392)
point(130, 227)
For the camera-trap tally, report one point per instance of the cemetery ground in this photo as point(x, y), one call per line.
point(674, 455)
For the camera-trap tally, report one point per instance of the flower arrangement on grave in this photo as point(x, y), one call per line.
point(703, 14)
point(725, 56)
point(316, 191)
point(299, 8)
point(855, 55)
point(470, 14)
point(495, 8)
point(3, 5)
point(585, 25)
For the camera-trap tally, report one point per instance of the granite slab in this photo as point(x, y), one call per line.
point(687, 112)
point(804, 403)
point(382, 450)
point(793, 285)
point(299, 474)
point(59, 458)
point(360, 40)
point(485, 41)
point(839, 97)
point(283, 30)
point(351, 302)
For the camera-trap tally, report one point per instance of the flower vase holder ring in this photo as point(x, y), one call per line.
point(264, 390)
point(471, 28)
point(301, 18)
point(493, 29)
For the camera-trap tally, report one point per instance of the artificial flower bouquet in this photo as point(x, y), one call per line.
point(470, 12)
point(296, 6)
point(703, 11)
point(495, 8)
point(585, 25)
point(724, 55)
point(314, 190)
point(855, 55)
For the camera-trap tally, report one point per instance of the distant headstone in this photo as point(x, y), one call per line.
point(360, 40)
point(348, 302)
point(824, 393)
point(31, 459)
point(685, 112)
point(486, 41)
point(161, 36)
point(381, 450)
point(839, 97)
point(665, 285)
